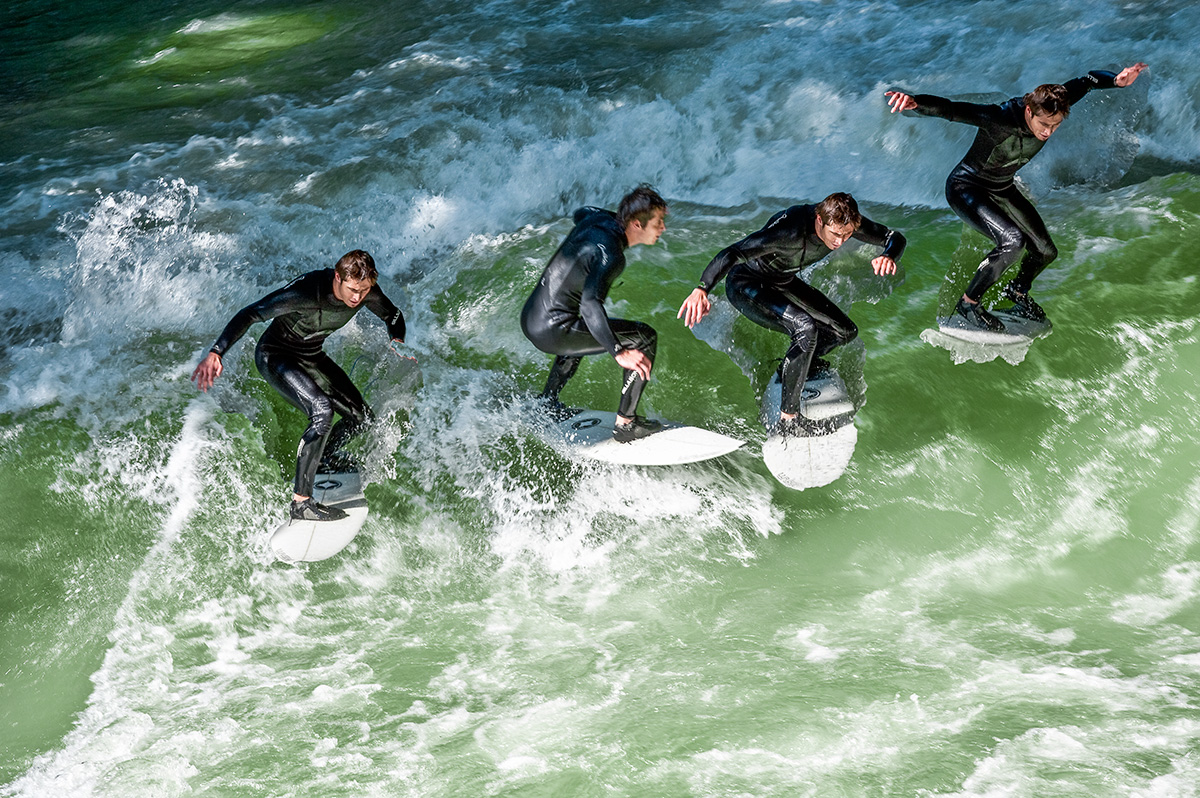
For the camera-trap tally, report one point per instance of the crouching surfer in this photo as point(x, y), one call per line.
point(762, 281)
point(565, 316)
point(291, 358)
point(982, 191)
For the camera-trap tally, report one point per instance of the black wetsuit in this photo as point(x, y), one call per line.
point(290, 357)
point(564, 316)
point(981, 188)
point(764, 284)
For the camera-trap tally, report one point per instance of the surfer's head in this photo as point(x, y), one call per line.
point(353, 277)
point(1045, 109)
point(837, 219)
point(642, 213)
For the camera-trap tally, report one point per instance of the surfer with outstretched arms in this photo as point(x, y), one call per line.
point(565, 316)
point(762, 281)
point(982, 191)
point(291, 358)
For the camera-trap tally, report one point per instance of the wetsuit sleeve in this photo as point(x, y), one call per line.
point(892, 241)
point(285, 300)
point(378, 303)
point(719, 266)
point(1096, 79)
point(602, 270)
point(956, 111)
point(757, 244)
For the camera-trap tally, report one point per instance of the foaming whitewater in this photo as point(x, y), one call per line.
point(997, 598)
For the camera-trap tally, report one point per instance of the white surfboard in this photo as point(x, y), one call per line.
point(972, 343)
point(588, 433)
point(309, 541)
point(810, 461)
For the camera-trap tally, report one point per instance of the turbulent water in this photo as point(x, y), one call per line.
point(1001, 596)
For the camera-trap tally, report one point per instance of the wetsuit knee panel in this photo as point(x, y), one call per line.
point(847, 334)
point(320, 415)
point(646, 338)
point(1009, 239)
point(798, 324)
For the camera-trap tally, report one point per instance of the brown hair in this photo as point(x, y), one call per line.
point(839, 209)
point(640, 204)
point(357, 265)
point(1047, 100)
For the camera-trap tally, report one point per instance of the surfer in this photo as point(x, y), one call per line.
point(981, 189)
point(291, 358)
point(763, 283)
point(565, 316)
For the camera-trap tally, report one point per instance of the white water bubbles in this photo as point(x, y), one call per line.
point(140, 269)
point(139, 259)
point(546, 511)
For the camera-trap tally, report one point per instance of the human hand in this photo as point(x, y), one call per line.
point(1129, 74)
point(395, 344)
point(695, 307)
point(635, 360)
point(207, 372)
point(899, 101)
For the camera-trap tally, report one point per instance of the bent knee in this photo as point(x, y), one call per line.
point(1047, 252)
point(645, 338)
point(1010, 242)
point(320, 415)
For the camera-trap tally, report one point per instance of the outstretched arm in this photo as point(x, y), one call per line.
point(977, 114)
point(1102, 79)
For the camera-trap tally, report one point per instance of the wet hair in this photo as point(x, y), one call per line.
point(1047, 100)
point(357, 265)
point(839, 209)
point(640, 204)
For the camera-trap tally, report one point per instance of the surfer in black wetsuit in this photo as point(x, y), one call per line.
point(981, 189)
point(290, 357)
point(565, 317)
point(763, 283)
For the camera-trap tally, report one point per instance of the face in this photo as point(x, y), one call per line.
point(648, 233)
point(1042, 125)
point(833, 235)
point(352, 292)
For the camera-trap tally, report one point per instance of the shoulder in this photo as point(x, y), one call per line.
point(591, 215)
point(598, 227)
point(307, 284)
point(795, 216)
point(314, 279)
point(1011, 111)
